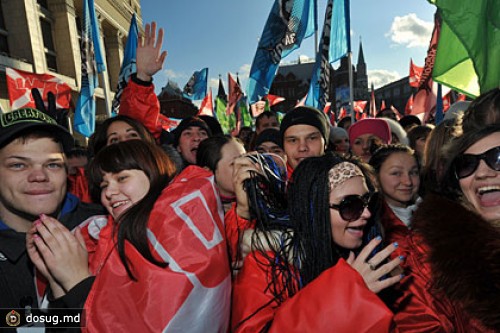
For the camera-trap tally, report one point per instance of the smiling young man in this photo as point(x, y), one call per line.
point(34, 176)
point(305, 132)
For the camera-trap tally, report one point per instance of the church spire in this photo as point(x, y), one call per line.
point(361, 56)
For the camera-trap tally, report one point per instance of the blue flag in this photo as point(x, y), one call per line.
point(92, 63)
point(287, 25)
point(341, 30)
point(196, 87)
point(128, 64)
point(318, 95)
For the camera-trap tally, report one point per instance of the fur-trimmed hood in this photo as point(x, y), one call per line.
point(464, 255)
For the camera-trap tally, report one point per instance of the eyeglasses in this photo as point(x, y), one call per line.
point(467, 164)
point(352, 206)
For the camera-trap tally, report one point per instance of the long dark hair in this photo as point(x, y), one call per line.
point(133, 155)
point(99, 139)
point(308, 199)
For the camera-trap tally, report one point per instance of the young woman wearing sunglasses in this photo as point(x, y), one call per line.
point(320, 270)
point(454, 247)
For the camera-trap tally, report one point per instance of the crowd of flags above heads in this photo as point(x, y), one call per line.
point(463, 55)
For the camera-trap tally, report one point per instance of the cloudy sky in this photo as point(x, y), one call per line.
point(223, 34)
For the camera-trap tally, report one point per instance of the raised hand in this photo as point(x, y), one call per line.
point(375, 268)
point(150, 59)
point(64, 255)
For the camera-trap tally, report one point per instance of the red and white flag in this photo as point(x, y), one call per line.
point(20, 83)
point(396, 111)
point(207, 105)
point(415, 74)
point(409, 105)
point(359, 107)
point(327, 107)
point(273, 99)
point(166, 123)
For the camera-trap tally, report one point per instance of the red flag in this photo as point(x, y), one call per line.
point(342, 113)
point(409, 105)
point(396, 111)
point(273, 99)
point(382, 105)
point(446, 101)
point(207, 105)
point(20, 83)
point(373, 105)
point(326, 109)
point(359, 107)
point(235, 94)
point(415, 74)
point(166, 123)
point(461, 97)
point(425, 98)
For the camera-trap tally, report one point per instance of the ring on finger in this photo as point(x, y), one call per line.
point(372, 266)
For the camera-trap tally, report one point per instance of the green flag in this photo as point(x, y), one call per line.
point(468, 53)
point(220, 111)
point(246, 118)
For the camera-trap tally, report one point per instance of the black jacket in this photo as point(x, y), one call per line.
point(17, 283)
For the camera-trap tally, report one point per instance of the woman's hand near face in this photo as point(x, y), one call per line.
point(243, 170)
point(376, 267)
point(64, 255)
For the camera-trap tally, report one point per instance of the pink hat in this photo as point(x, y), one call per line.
point(375, 126)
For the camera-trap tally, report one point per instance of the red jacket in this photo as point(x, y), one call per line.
point(336, 301)
point(454, 268)
point(394, 230)
point(191, 294)
point(141, 103)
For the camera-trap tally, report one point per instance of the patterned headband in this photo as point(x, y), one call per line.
point(342, 172)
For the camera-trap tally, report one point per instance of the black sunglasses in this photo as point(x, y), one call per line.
point(467, 164)
point(352, 206)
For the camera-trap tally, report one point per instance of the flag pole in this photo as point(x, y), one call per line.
point(106, 95)
point(351, 98)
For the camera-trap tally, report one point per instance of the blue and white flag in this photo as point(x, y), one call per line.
point(92, 63)
point(340, 35)
point(318, 94)
point(196, 87)
point(129, 63)
point(289, 22)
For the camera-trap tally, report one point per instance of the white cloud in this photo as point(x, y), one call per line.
point(172, 75)
point(214, 84)
point(411, 31)
point(381, 77)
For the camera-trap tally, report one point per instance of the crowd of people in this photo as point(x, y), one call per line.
point(382, 225)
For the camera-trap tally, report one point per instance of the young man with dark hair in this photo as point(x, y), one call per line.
point(34, 174)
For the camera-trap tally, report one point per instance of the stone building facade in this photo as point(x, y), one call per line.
point(43, 36)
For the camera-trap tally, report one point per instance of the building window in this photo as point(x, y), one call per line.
point(4, 45)
point(48, 42)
